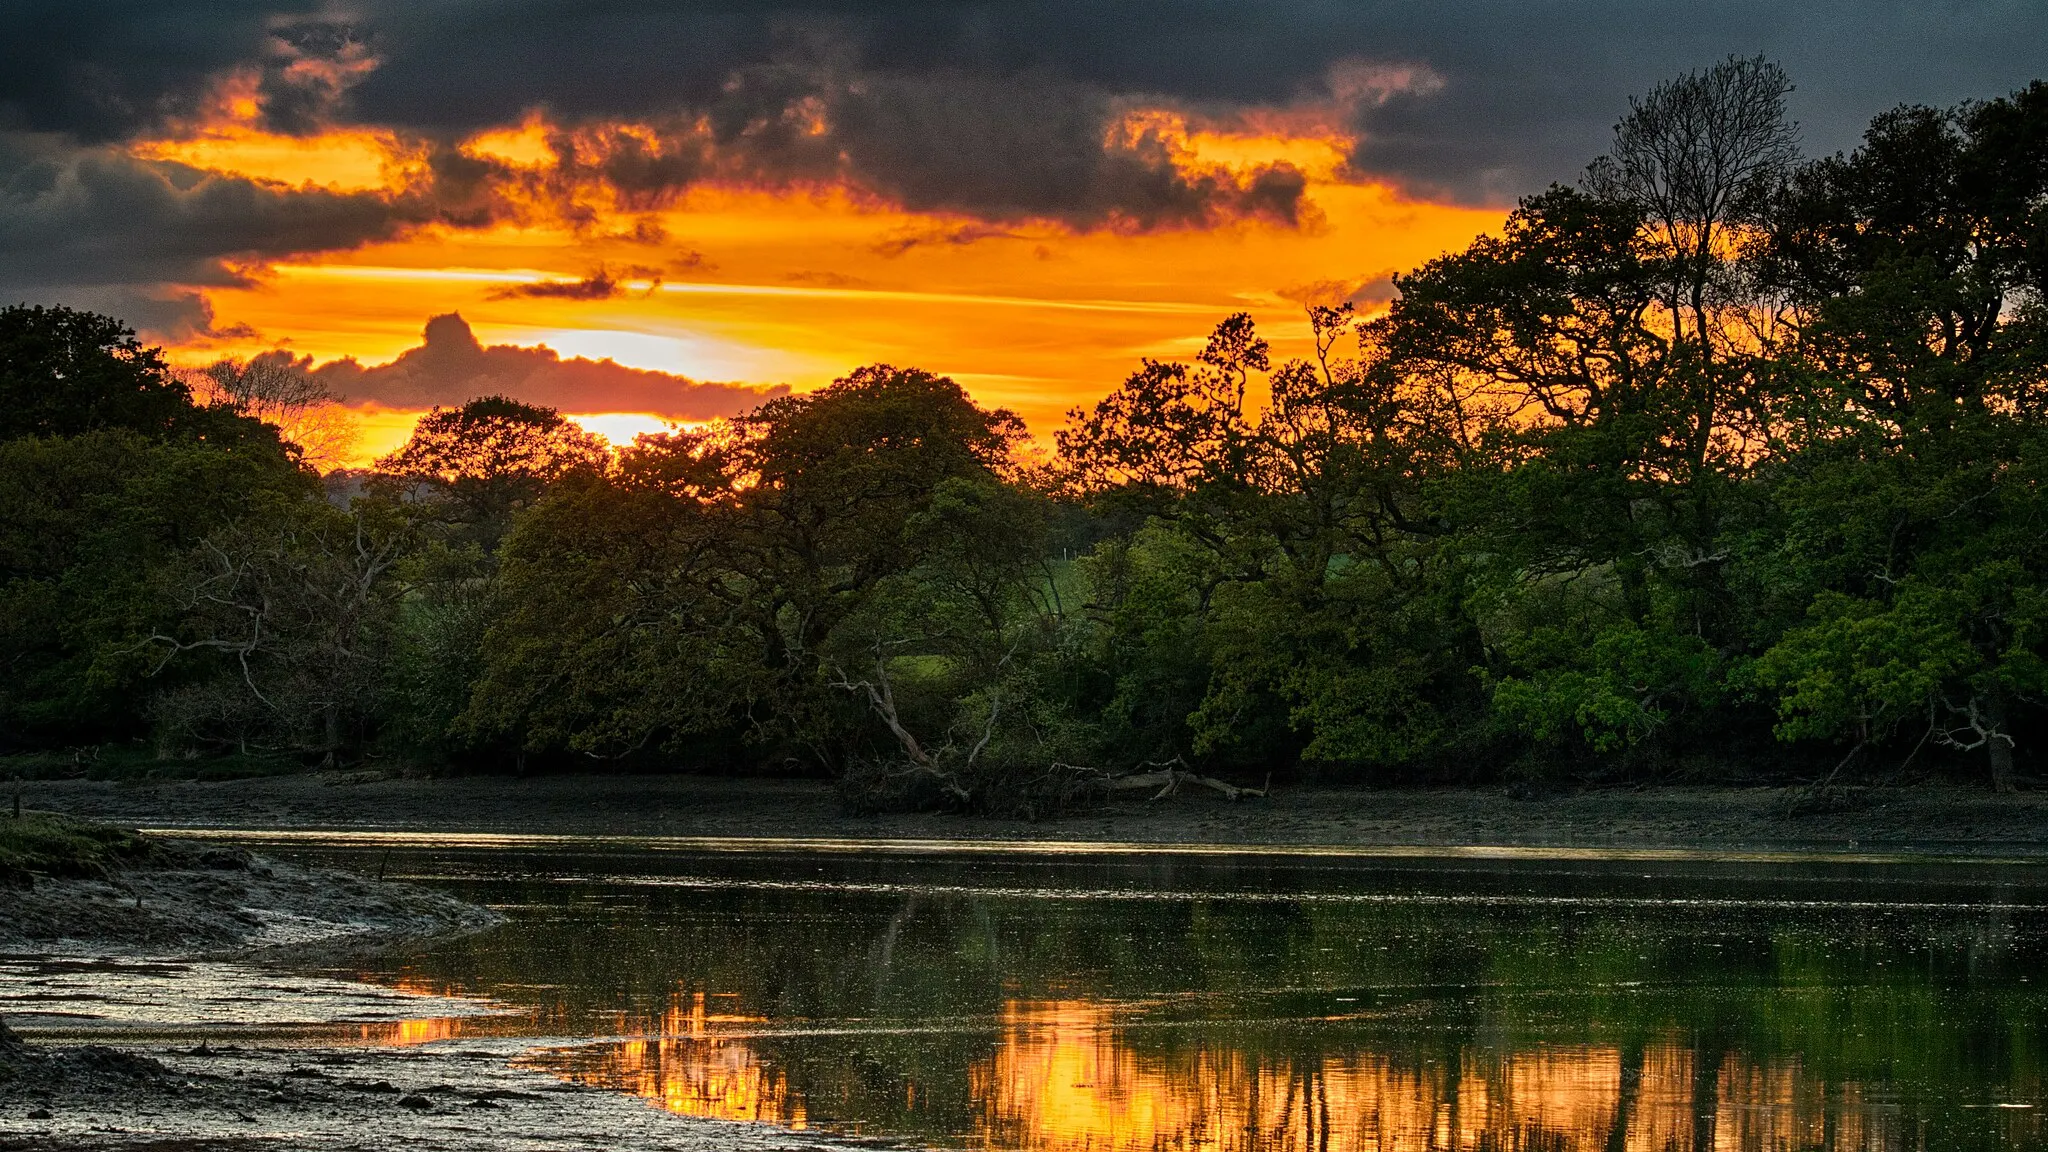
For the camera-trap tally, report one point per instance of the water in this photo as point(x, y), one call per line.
point(1004, 1000)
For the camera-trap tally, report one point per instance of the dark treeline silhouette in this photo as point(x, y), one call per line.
point(1717, 463)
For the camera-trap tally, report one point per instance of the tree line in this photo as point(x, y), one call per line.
point(1717, 461)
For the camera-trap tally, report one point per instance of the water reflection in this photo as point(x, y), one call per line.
point(1062, 1080)
point(1390, 1021)
point(685, 1067)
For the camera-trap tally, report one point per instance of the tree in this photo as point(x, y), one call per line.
point(274, 389)
point(1699, 158)
point(706, 587)
point(1631, 370)
point(66, 373)
point(90, 526)
point(1906, 573)
point(1286, 599)
point(832, 481)
point(492, 456)
point(1918, 266)
point(296, 610)
point(616, 628)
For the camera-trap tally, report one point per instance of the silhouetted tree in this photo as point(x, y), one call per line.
point(493, 455)
point(64, 372)
point(273, 389)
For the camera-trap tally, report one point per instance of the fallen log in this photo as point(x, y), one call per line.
point(1167, 778)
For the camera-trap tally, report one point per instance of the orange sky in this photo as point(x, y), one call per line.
point(767, 287)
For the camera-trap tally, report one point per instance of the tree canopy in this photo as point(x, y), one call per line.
point(1716, 463)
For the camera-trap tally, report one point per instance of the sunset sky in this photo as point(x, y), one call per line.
point(1028, 197)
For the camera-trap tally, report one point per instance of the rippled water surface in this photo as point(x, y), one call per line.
point(1153, 1003)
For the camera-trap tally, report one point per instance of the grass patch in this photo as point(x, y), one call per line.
point(46, 844)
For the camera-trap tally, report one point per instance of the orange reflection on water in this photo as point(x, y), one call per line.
point(405, 1033)
point(1063, 1077)
point(1065, 1080)
point(686, 1067)
point(716, 1079)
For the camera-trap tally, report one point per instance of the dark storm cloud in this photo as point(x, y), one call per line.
point(1014, 148)
point(451, 367)
point(94, 214)
point(1001, 111)
point(1529, 87)
point(102, 71)
point(950, 104)
point(93, 227)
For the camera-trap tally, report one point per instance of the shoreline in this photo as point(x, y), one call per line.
point(943, 847)
point(1936, 823)
point(196, 897)
point(464, 1096)
point(184, 1003)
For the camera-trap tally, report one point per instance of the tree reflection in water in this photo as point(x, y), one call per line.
point(1316, 1021)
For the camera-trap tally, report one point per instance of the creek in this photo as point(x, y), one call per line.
point(1011, 999)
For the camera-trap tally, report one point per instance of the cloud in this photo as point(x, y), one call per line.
point(599, 285)
point(927, 235)
point(105, 70)
point(874, 98)
point(1001, 150)
point(1032, 147)
point(999, 112)
point(1365, 292)
point(826, 279)
point(94, 227)
point(993, 107)
point(451, 367)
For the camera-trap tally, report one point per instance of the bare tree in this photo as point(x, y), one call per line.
point(1696, 156)
point(297, 615)
point(276, 391)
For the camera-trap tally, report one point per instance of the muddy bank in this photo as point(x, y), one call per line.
point(1934, 819)
point(183, 898)
point(172, 1005)
point(438, 1099)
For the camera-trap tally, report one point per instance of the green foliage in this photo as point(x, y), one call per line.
point(489, 458)
point(88, 525)
point(68, 373)
point(284, 623)
point(1606, 693)
point(1860, 668)
point(1694, 459)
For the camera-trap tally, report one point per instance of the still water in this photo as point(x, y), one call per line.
point(1115, 1005)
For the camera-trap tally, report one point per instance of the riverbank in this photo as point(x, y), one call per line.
point(244, 1098)
point(255, 1046)
point(165, 897)
point(1933, 820)
point(172, 997)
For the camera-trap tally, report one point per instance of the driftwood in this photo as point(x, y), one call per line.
point(1168, 778)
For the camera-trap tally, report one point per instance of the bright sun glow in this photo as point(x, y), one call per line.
point(621, 427)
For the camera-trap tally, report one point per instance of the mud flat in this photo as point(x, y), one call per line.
point(1927, 818)
point(169, 1006)
point(433, 1097)
point(189, 898)
point(55, 1098)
